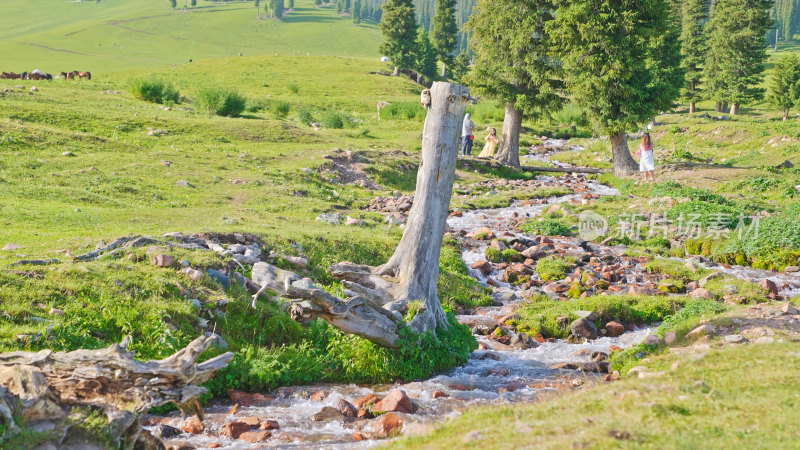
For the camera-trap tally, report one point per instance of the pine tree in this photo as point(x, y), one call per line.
point(339, 6)
point(425, 55)
point(399, 28)
point(366, 13)
point(620, 77)
point(693, 49)
point(511, 64)
point(291, 4)
point(347, 6)
point(445, 32)
point(784, 89)
point(460, 67)
point(258, 11)
point(173, 3)
point(737, 51)
point(357, 12)
point(194, 3)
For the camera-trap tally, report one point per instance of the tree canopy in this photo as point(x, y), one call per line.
point(399, 28)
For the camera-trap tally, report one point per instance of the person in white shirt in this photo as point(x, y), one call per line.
point(467, 130)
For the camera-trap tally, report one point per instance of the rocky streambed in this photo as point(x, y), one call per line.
point(509, 367)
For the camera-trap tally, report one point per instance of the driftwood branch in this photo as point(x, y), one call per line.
point(46, 386)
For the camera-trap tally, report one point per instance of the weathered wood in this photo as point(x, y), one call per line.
point(46, 386)
point(378, 297)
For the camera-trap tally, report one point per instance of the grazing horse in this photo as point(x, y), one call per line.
point(63, 75)
point(81, 75)
point(5, 75)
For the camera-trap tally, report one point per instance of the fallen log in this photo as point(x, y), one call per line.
point(49, 388)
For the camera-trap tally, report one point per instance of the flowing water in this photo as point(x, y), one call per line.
point(499, 375)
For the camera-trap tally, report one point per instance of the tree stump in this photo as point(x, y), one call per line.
point(378, 297)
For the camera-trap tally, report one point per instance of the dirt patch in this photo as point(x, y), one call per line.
point(348, 167)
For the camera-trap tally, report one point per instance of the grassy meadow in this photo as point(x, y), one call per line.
point(85, 162)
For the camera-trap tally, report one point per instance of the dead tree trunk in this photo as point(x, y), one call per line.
point(734, 109)
point(47, 386)
point(378, 297)
point(624, 164)
point(444, 70)
point(509, 148)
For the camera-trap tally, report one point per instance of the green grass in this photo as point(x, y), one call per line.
point(555, 268)
point(706, 403)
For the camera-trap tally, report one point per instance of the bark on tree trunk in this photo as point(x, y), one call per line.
point(624, 164)
point(692, 107)
point(509, 148)
point(378, 297)
point(724, 107)
point(734, 109)
point(396, 72)
point(718, 107)
point(785, 114)
point(444, 71)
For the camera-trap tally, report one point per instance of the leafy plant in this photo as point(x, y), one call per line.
point(546, 227)
point(153, 90)
point(221, 102)
point(554, 268)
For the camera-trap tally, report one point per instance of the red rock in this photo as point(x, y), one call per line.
point(358, 437)
point(614, 329)
point(769, 285)
point(396, 401)
point(485, 231)
point(319, 396)
point(252, 421)
point(369, 398)
point(439, 394)
point(492, 282)
point(193, 425)
point(484, 266)
point(482, 346)
point(242, 398)
point(364, 414)
point(500, 372)
point(269, 425)
point(387, 425)
point(234, 429)
point(614, 348)
point(163, 261)
point(255, 436)
point(456, 214)
point(460, 387)
point(346, 408)
point(214, 445)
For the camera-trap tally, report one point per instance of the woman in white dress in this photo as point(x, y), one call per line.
point(647, 160)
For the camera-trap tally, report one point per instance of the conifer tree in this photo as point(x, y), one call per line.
point(173, 3)
point(693, 49)
point(784, 89)
point(399, 28)
point(357, 12)
point(445, 32)
point(737, 51)
point(291, 4)
point(511, 64)
point(623, 76)
point(425, 56)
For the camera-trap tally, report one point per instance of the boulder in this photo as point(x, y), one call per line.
point(193, 425)
point(221, 279)
point(485, 233)
point(701, 293)
point(584, 328)
point(735, 339)
point(269, 425)
point(234, 429)
point(588, 315)
point(485, 267)
point(614, 329)
point(652, 339)
point(328, 414)
point(165, 431)
point(789, 308)
point(331, 219)
point(369, 399)
point(701, 331)
point(670, 337)
point(163, 261)
point(396, 401)
point(387, 425)
point(255, 436)
point(346, 408)
point(769, 285)
point(522, 341)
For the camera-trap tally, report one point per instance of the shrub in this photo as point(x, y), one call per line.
point(305, 115)
point(334, 119)
point(494, 255)
point(281, 109)
point(153, 90)
point(293, 88)
point(221, 102)
point(554, 268)
point(546, 227)
point(676, 190)
point(456, 287)
point(694, 310)
point(708, 214)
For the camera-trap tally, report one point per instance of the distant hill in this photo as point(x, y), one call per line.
point(54, 35)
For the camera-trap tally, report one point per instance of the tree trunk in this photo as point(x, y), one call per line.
point(378, 297)
point(692, 107)
point(624, 164)
point(508, 154)
point(724, 106)
point(48, 386)
point(396, 72)
point(734, 109)
point(718, 107)
point(786, 114)
point(444, 71)
point(776, 39)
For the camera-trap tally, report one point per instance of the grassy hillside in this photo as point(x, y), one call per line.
point(55, 36)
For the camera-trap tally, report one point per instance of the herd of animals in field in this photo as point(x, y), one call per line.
point(39, 75)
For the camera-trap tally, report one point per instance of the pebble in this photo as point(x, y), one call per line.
point(765, 340)
point(735, 339)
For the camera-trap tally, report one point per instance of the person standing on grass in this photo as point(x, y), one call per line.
point(491, 145)
point(647, 159)
point(467, 130)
